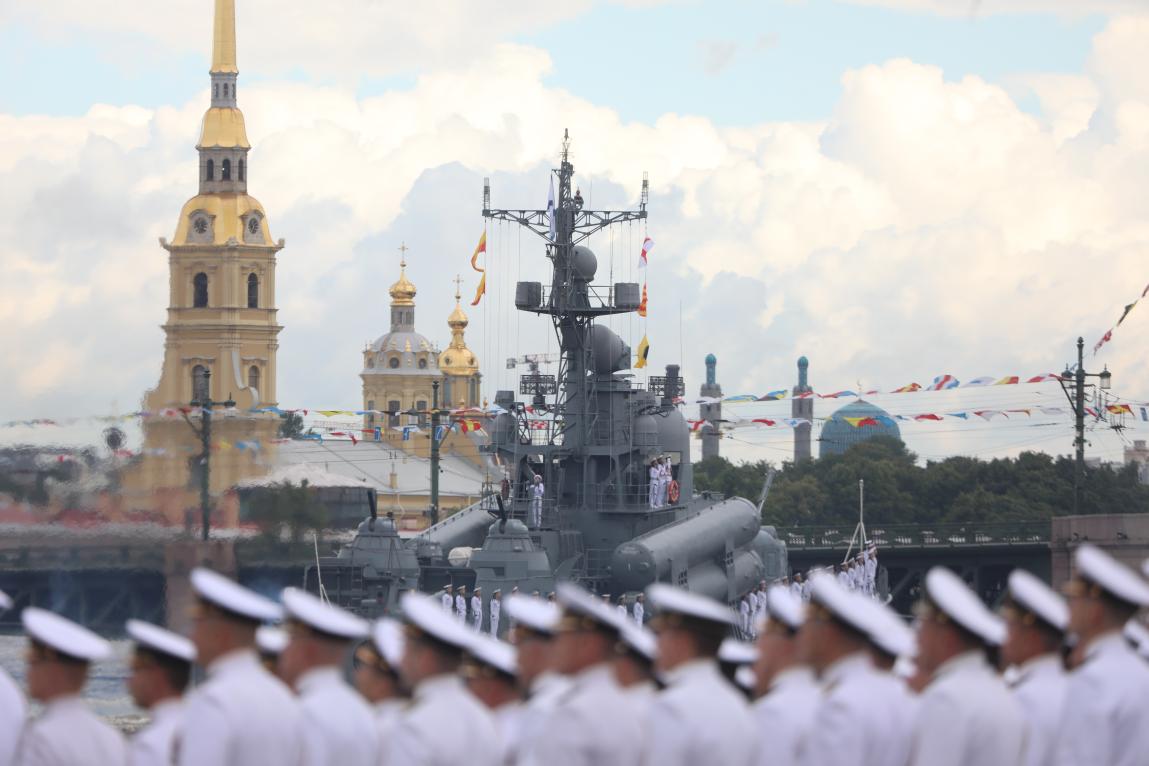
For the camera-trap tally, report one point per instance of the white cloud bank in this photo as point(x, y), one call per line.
point(927, 227)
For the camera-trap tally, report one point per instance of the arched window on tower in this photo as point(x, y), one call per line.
point(199, 290)
point(199, 383)
point(252, 292)
point(209, 171)
point(225, 171)
point(225, 90)
point(242, 171)
point(253, 380)
point(215, 90)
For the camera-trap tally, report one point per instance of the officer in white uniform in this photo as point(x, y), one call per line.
point(444, 723)
point(699, 717)
point(13, 708)
point(744, 616)
point(1035, 620)
point(871, 570)
point(849, 726)
point(335, 716)
point(377, 676)
point(241, 714)
point(1106, 714)
point(495, 608)
point(967, 716)
point(477, 609)
point(535, 623)
point(787, 693)
point(161, 669)
point(489, 671)
point(591, 723)
point(67, 733)
point(461, 604)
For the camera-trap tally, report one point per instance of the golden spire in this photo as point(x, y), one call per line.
point(403, 291)
point(457, 359)
point(223, 39)
point(458, 320)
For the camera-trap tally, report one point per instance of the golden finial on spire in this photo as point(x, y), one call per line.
point(458, 283)
point(403, 291)
point(223, 38)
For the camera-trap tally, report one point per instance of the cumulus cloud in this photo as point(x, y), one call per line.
point(926, 226)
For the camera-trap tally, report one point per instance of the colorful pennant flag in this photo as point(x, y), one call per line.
point(642, 353)
point(764, 421)
point(943, 382)
point(1008, 380)
point(980, 382)
point(642, 304)
point(647, 246)
point(911, 388)
point(482, 288)
point(927, 416)
point(838, 394)
point(1043, 378)
point(1125, 313)
point(774, 396)
point(1120, 409)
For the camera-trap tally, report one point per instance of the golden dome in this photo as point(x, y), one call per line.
point(229, 213)
point(457, 359)
point(223, 127)
point(403, 291)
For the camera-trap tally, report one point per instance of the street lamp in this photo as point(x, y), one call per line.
point(204, 433)
point(1076, 379)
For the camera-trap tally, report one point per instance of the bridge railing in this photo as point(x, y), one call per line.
point(1027, 533)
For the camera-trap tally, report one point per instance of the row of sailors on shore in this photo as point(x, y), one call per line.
point(470, 611)
point(580, 685)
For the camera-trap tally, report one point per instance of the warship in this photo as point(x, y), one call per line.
point(589, 433)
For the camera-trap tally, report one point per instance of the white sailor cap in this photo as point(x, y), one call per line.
point(231, 597)
point(328, 619)
point(667, 599)
point(839, 602)
point(494, 653)
point(887, 631)
point(63, 635)
point(953, 597)
point(582, 611)
point(424, 616)
point(160, 640)
point(1030, 594)
point(387, 636)
point(784, 607)
point(533, 613)
point(1107, 573)
point(639, 640)
point(735, 652)
point(5, 601)
point(746, 678)
point(271, 640)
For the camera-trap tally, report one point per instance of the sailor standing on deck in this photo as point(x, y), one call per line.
point(161, 668)
point(699, 718)
point(538, 491)
point(638, 611)
point(495, 608)
point(664, 482)
point(335, 716)
point(241, 714)
point(477, 609)
point(448, 599)
point(461, 604)
point(655, 477)
point(1106, 715)
point(67, 733)
point(377, 676)
point(444, 723)
point(13, 708)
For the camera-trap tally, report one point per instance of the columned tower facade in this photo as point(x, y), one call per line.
point(711, 412)
point(802, 407)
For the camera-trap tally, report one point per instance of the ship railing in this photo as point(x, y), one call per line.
point(1019, 533)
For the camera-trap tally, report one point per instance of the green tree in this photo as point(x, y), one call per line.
point(290, 425)
point(289, 506)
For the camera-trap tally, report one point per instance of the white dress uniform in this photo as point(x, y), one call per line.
point(495, 608)
point(850, 725)
point(477, 612)
point(591, 724)
point(13, 711)
point(240, 716)
point(448, 601)
point(1040, 691)
point(967, 717)
point(744, 619)
point(67, 733)
point(461, 608)
point(700, 718)
point(387, 715)
point(157, 743)
point(334, 720)
point(655, 476)
point(785, 715)
point(544, 694)
point(871, 570)
point(444, 726)
point(1106, 714)
point(639, 613)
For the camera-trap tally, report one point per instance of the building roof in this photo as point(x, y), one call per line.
point(839, 434)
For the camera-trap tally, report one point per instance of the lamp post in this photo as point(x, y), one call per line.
point(435, 420)
point(204, 433)
point(1077, 400)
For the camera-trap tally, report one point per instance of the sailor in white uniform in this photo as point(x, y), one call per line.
point(535, 623)
point(638, 611)
point(1035, 620)
point(849, 727)
point(495, 608)
point(890, 639)
point(160, 672)
point(967, 717)
point(335, 716)
point(744, 615)
point(67, 733)
point(489, 671)
point(448, 598)
point(461, 604)
point(870, 567)
point(13, 708)
point(477, 609)
point(592, 723)
point(241, 714)
point(1106, 714)
point(538, 492)
point(666, 476)
point(444, 723)
point(270, 641)
point(699, 717)
point(655, 478)
point(787, 694)
point(377, 676)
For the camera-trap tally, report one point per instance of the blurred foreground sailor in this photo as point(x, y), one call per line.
point(336, 719)
point(851, 725)
point(270, 642)
point(787, 694)
point(535, 623)
point(1106, 714)
point(634, 665)
point(1035, 620)
point(444, 724)
point(67, 733)
point(489, 670)
point(13, 708)
point(967, 716)
point(377, 676)
point(241, 714)
point(160, 671)
point(699, 718)
point(592, 723)
point(1137, 635)
point(890, 638)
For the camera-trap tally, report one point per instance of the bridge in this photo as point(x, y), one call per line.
point(983, 553)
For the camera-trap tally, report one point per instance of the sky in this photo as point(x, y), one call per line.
point(897, 189)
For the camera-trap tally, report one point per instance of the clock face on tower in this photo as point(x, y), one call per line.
point(200, 225)
point(253, 225)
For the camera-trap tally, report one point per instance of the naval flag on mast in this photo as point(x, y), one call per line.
point(551, 209)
